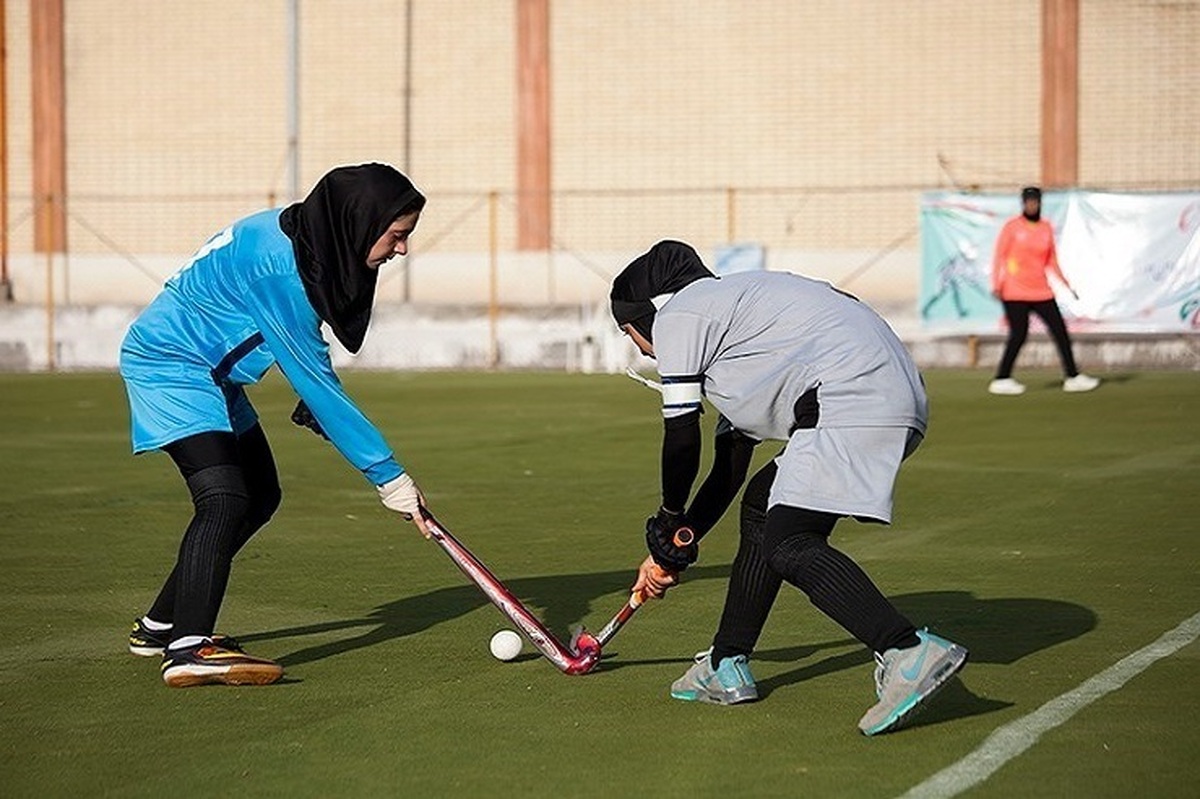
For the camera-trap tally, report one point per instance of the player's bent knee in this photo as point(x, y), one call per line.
point(263, 506)
point(219, 495)
point(794, 537)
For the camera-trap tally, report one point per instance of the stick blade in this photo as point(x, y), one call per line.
point(577, 632)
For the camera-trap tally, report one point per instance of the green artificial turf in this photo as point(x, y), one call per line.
point(1052, 534)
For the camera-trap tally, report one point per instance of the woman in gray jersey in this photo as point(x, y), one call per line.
point(788, 358)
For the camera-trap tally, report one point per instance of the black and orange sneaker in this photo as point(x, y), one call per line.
point(207, 663)
point(146, 642)
point(151, 643)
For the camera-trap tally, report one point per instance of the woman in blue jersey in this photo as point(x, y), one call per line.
point(254, 296)
point(790, 359)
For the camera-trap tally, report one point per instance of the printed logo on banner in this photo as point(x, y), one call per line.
point(957, 236)
point(1189, 312)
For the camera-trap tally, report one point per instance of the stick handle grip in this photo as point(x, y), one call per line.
point(684, 536)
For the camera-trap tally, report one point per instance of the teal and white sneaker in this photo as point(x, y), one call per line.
point(729, 684)
point(906, 678)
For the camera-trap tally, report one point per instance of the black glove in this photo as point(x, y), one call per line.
point(671, 541)
point(303, 417)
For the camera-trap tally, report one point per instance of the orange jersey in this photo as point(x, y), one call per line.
point(1024, 255)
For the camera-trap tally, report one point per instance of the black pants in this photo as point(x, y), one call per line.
point(791, 545)
point(235, 490)
point(1018, 328)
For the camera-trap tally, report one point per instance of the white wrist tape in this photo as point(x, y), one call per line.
point(400, 495)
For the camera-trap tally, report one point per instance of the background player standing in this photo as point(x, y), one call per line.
point(253, 297)
point(787, 358)
point(1023, 257)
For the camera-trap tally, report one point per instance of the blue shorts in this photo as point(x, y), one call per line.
point(177, 401)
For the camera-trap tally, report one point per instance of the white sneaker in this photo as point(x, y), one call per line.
point(1080, 382)
point(1006, 385)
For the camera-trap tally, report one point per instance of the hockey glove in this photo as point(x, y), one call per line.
point(303, 417)
point(671, 540)
point(402, 496)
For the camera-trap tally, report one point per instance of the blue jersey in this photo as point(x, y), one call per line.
point(233, 311)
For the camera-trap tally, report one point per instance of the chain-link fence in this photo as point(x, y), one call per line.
point(809, 128)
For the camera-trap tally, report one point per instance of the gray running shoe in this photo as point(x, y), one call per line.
point(729, 684)
point(906, 678)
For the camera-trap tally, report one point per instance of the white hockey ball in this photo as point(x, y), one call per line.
point(505, 645)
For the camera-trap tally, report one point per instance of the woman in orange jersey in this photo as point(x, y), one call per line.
point(1023, 258)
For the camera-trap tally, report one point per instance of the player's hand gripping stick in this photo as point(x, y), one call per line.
point(635, 601)
point(671, 540)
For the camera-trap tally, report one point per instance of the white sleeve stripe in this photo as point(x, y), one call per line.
point(681, 395)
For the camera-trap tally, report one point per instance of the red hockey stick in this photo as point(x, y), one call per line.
point(585, 650)
point(614, 624)
point(623, 615)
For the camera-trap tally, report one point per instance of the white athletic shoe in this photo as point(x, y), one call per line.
point(905, 679)
point(1080, 382)
point(728, 684)
point(1006, 385)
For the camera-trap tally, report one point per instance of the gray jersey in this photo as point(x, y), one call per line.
point(753, 343)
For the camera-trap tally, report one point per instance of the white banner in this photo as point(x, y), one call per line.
point(1134, 259)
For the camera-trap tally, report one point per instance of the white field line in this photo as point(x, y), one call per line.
point(1015, 737)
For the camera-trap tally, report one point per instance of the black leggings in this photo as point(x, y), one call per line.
point(235, 490)
point(1018, 328)
point(792, 544)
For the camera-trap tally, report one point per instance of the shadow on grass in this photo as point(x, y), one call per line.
point(1001, 631)
point(558, 600)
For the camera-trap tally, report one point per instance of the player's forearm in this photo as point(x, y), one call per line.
point(1054, 269)
point(350, 431)
point(731, 461)
point(680, 459)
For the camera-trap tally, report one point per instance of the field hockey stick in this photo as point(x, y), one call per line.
point(623, 615)
point(606, 633)
point(635, 601)
point(585, 652)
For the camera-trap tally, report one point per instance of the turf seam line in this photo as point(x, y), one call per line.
point(1014, 738)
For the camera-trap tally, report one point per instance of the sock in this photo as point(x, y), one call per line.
point(841, 590)
point(753, 587)
point(202, 570)
point(187, 641)
point(156, 626)
point(753, 584)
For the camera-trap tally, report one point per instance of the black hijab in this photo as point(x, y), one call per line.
point(664, 269)
point(332, 232)
point(1031, 193)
